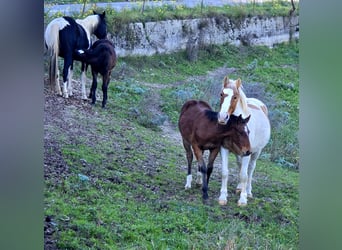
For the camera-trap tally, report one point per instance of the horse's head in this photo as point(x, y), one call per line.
point(238, 140)
point(231, 95)
point(101, 30)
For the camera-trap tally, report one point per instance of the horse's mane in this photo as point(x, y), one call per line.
point(243, 101)
point(211, 115)
point(90, 23)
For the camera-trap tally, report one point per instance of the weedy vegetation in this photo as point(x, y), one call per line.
point(114, 179)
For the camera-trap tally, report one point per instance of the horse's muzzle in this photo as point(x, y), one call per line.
point(221, 120)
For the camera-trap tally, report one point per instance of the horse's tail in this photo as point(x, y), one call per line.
point(52, 43)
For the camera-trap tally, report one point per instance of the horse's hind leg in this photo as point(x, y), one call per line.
point(199, 179)
point(70, 74)
point(66, 68)
point(251, 167)
point(57, 85)
point(93, 87)
point(189, 158)
point(105, 83)
point(212, 156)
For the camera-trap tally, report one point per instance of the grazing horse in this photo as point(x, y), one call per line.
point(234, 102)
point(200, 130)
point(102, 59)
point(64, 35)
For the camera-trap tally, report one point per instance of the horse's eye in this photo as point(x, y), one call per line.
point(234, 97)
point(221, 94)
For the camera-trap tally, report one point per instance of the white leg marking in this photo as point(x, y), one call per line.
point(188, 181)
point(70, 74)
point(251, 167)
point(243, 180)
point(225, 172)
point(239, 163)
point(65, 90)
point(58, 87)
point(83, 83)
point(199, 179)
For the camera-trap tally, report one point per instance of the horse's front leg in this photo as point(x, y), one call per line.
point(239, 163)
point(83, 80)
point(189, 158)
point(243, 180)
point(225, 172)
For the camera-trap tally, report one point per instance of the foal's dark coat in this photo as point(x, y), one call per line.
point(102, 59)
point(200, 130)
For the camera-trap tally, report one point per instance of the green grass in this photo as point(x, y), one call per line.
point(134, 196)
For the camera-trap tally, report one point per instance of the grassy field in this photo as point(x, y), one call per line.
point(114, 179)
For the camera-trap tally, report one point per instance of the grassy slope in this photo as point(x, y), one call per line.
point(135, 197)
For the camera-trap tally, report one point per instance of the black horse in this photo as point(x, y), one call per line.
point(102, 59)
point(64, 35)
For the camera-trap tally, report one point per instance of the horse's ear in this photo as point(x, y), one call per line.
point(94, 12)
point(238, 83)
point(104, 14)
point(225, 81)
point(246, 119)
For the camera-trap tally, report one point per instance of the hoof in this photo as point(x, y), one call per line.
point(250, 195)
point(242, 204)
point(187, 187)
point(238, 191)
point(222, 202)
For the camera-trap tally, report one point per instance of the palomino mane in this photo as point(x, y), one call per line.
point(211, 115)
point(89, 23)
point(243, 101)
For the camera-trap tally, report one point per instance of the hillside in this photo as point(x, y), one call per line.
point(115, 177)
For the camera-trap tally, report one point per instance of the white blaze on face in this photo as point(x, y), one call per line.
point(223, 114)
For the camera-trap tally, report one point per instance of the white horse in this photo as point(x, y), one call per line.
point(234, 101)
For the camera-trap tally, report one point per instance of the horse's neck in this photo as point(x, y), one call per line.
point(88, 27)
point(241, 109)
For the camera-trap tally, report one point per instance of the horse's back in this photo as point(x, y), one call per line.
point(102, 56)
point(256, 103)
point(194, 105)
point(193, 118)
point(259, 124)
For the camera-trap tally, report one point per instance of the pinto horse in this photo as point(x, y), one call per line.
point(102, 59)
point(200, 131)
point(64, 35)
point(234, 102)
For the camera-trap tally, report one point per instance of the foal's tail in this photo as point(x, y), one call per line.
point(52, 43)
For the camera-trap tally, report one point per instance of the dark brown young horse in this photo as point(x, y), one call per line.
point(102, 59)
point(200, 130)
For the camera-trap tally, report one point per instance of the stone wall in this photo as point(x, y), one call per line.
point(174, 35)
